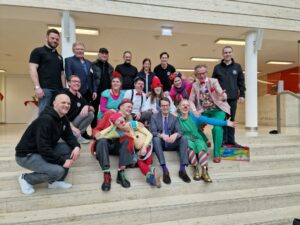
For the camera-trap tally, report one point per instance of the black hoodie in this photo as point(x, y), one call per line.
point(43, 134)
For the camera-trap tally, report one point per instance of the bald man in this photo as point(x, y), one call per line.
point(40, 152)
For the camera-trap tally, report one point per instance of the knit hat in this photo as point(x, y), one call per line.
point(115, 116)
point(125, 100)
point(156, 82)
point(116, 74)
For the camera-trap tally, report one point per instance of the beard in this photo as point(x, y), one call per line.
point(51, 45)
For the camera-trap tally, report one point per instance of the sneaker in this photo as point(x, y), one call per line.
point(26, 188)
point(59, 185)
point(82, 140)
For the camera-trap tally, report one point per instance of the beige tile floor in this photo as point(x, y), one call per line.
point(11, 133)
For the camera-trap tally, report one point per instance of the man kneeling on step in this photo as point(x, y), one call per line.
point(40, 152)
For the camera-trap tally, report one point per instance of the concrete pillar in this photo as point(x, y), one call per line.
point(251, 82)
point(68, 35)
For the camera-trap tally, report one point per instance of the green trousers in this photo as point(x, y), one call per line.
point(217, 131)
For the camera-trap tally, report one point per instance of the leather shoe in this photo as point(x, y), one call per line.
point(166, 178)
point(183, 175)
point(106, 182)
point(217, 160)
point(121, 179)
point(85, 135)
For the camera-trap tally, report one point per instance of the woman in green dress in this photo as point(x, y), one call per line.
point(197, 149)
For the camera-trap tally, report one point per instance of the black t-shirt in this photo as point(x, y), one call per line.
point(76, 104)
point(50, 67)
point(164, 74)
point(128, 72)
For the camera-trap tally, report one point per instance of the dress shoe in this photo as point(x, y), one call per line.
point(121, 179)
point(166, 178)
point(197, 175)
point(106, 182)
point(205, 176)
point(217, 160)
point(183, 175)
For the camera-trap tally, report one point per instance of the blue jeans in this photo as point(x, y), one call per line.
point(47, 99)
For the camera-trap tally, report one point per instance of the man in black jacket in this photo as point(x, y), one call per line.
point(102, 71)
point(231, 78)
point(127, 71)
point(40, 152)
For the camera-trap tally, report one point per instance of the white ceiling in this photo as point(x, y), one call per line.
point(22, 29)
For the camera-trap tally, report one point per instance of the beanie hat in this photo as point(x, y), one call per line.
point(156, 82)
point(116, 74)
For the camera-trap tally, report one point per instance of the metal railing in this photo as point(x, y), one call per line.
point(278, 110)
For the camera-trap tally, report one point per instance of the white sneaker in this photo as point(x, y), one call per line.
point(82, 140)
point(60, 185)
point(26, 188)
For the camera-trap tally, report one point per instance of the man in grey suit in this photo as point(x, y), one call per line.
point(167, 136)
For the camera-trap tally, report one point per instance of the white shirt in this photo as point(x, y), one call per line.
point(137, 100)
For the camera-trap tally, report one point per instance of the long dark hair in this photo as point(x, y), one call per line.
point(145, 60)
point(153, 95)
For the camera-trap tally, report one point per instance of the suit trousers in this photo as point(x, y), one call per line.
point(180, 144)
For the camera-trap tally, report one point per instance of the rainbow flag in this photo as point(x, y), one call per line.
point(235, 153)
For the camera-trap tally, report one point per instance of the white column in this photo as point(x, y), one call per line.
point(68, 35)
point(251, 82)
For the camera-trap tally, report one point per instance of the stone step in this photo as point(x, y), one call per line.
point(13, 200)
point(278, 216)
point(255, 149)
point(160, 209)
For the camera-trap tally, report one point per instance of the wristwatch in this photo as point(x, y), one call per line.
point(36, 87)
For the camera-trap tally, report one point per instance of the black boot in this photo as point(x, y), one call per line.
point(121, 179)
point(106, 182)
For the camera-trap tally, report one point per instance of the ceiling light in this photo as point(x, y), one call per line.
point(185, 70)
point(200, 59)
point(230, 42)
point(2, 71)
point(166, 31)
point(244, 72)
point(79, 30)
point(264, 82)
point(91, 53)
point(274, 62)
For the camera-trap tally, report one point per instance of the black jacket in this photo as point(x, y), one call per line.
point(102, 72)
point(231, 79)
point(129, 73)
point(76, 104)
point(43, 134)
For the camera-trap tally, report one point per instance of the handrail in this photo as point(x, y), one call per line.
point(278, 106)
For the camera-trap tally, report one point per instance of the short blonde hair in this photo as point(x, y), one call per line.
point(78, 43)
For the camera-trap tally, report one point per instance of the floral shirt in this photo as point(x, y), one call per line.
point(205, 98)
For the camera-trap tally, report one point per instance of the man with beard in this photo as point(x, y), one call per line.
point(46, 69)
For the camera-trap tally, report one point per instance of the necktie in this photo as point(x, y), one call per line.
point(166, 130)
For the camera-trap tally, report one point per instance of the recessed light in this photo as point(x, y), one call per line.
point(166, 31)
point(185, 70)
point(2, 70)
point(222, 41)
point(204, 59)
point(79, 30)
point(91, 53)
point(275, 62)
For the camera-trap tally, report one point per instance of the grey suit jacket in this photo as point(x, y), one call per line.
point(156, 125)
